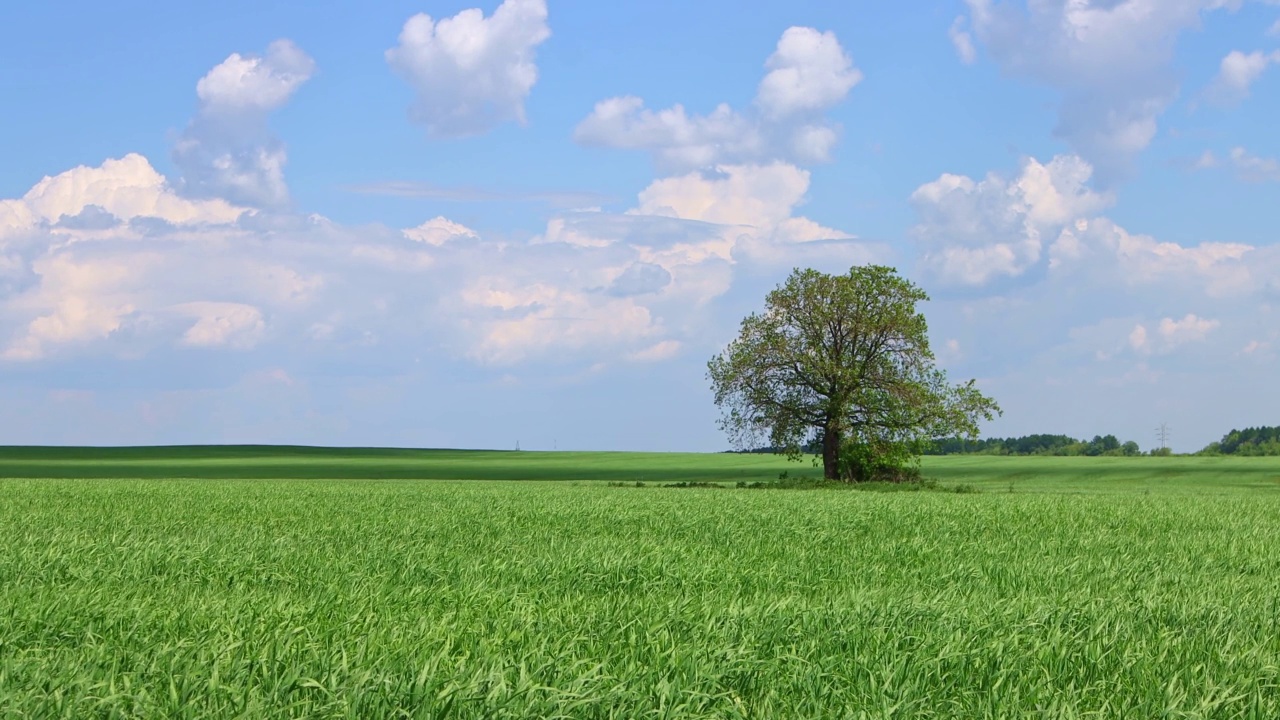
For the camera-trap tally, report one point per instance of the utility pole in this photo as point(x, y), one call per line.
point(1162, 434)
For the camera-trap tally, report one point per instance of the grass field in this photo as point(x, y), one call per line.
point(1128, 588)
point(1028, 474)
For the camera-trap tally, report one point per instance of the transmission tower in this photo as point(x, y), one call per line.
point(1162, 434)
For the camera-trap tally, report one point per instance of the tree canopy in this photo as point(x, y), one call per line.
point(842, 361)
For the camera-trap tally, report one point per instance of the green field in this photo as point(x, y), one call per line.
point(1028, 474)
point(259, 582)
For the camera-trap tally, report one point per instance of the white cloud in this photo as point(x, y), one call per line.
point(808, 73)
point(1111, 61)
point(972, 232)
point(962, 41)
point(1111, 256)
point(754, 207)
point(109, 261)
point(1252, 168)
point(1188, 329)
point(233, 325)
point(113, 254)
point(227, 151)
point(470, 73)
point(252, 84)
point(677, 139)
point(15, 217)
point(679, 249)
point(813, 143)
point(439, 231)
point(657, 352)
point(126, 188)
point(528, 320)
point(1249, 167)
point(1237, 73)
point(76, 301)
point(1274, 30)
point(1171, 334)
point(751, 195)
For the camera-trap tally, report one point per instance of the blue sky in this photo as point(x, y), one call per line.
point(437, 224)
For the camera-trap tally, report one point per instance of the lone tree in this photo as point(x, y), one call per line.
point(842, 361)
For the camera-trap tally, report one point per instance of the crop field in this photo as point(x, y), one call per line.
point(259, 582)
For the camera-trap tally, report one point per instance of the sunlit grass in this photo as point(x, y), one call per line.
point(366, 599)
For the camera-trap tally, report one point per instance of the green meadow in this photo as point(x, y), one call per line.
point(296, 582)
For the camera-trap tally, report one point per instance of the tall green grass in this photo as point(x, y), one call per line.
point(369, 599)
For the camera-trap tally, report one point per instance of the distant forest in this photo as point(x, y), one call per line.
point(1035, 445)
point(1250, 441)
point(1028, 445)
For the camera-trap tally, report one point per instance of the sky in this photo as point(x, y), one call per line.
point(451, 224)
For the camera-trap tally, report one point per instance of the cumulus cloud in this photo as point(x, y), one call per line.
point(1107, 254)
point(677, 139)
point(1111, 62)
point(1170, 334)
point(227, 151)
point(655, 269)
point(110, 261)
point(15, 217)
point(222, 324)
point(752, 195)
point(1237, 73)
point(972, 232)
point(808, 74)
point(640, 278)
point(252, 84)
point(125, 188)
point(470, 73)
point(113, 254)
point(439, 230)
point(753, 207)
point(76, 301)
point(528, 320)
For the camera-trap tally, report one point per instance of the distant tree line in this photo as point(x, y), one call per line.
point(1035, 445)
point(1254, 441)
point(1063, 445)
point(1263, 440)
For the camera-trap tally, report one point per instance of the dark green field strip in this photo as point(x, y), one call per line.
point(987, 473)
point(262, 462)
point(1108, 474)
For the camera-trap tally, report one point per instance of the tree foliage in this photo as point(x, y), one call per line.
point(842, 361)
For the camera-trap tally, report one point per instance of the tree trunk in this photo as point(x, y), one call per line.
point(831, 453)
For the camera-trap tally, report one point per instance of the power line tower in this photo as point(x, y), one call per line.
point(1162, 434)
